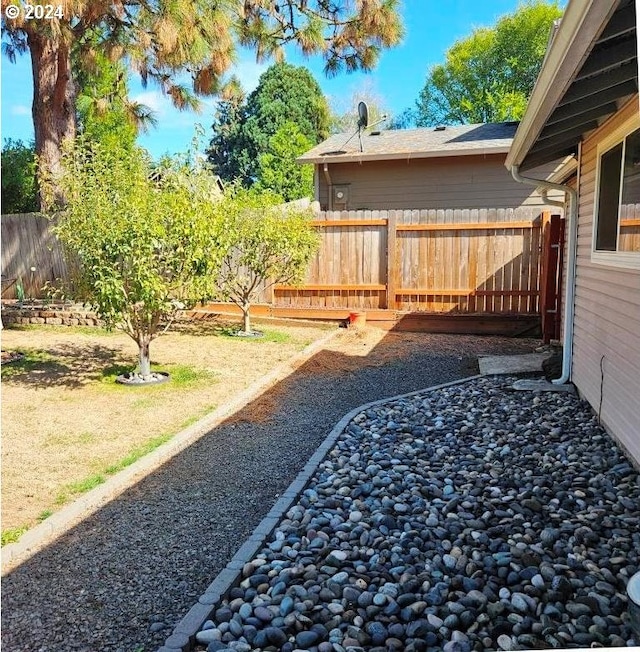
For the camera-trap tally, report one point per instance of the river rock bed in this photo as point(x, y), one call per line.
point(471, 517)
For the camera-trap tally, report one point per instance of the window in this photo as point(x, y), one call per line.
point(617, 224)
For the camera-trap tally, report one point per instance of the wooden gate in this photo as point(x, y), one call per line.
point(551, 276)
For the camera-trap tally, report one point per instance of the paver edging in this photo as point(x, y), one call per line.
point(231, 575)
point(46, 532)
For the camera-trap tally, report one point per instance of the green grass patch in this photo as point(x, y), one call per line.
point(33, 360)
point(275, 336)
point(12, 534)
point(196, 417)
point(44, 515)
point(180, 376)
point(186, 376)
point(137, 453)
point(74, 489)
point(268, 335)
point(95, 331)
point(109, 374)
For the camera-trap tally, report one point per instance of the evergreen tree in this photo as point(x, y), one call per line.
point(226, 145)
point(285, 94)
point(160, 40)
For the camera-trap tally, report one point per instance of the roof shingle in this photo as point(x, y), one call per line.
point(428, 142)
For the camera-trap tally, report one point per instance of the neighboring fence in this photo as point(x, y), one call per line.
point(31, 255)
point(467, 261)
point(464, 261)
point(629, 238)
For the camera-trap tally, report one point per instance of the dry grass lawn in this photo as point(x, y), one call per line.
point(66, 424)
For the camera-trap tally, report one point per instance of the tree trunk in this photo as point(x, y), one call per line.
point(144, 356)
point(53, 109)
point(246, 320)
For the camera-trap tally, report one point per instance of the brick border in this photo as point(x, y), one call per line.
point(183, 637)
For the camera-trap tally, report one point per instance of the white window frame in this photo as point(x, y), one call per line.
point(626, 259)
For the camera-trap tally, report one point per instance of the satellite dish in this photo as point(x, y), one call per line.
point(363, 115)
point(363, 123)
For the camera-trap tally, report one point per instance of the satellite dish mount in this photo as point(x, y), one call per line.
point(363, 120)
point(363, 123)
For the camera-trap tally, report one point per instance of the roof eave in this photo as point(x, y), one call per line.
point(580, 26)
point(358, 157)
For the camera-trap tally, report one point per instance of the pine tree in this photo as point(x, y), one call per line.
point(163, 39)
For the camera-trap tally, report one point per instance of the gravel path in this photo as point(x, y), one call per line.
point(473, 517)
point(124, 577)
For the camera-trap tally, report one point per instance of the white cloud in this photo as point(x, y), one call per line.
point(155, 100)
point(248, 71)
point(20, 109)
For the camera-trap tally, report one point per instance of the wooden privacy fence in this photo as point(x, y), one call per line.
point(468, 261)
point(31, 255)
point(629, 236)
point(462, 261)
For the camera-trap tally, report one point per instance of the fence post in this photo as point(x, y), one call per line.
point(391, 260)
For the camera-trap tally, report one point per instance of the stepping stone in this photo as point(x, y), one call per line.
point(491, 365)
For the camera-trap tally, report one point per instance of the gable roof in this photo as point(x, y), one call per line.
point(589, 71)
point(459, 140)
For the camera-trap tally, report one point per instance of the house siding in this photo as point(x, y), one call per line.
point(450, 182)
point(606, 335)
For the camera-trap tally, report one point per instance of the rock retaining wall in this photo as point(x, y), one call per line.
point(50, 316)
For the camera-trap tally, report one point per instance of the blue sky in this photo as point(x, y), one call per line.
point(431, 27)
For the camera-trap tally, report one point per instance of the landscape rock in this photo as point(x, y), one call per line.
point(469, 517)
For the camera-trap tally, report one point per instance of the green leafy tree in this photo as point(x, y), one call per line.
point(488, 76)
point(19, 193)
point(269, 244)
point(285, 93)
point(143, 239)
point(161, 40)
point(278, 171)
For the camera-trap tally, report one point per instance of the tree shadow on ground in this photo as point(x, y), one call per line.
point(66, 365)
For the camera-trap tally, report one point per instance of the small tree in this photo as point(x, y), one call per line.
point(270, 243)
point(143, 241)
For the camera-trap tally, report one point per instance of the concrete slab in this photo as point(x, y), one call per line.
point(541, 385)
point(491, 365)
